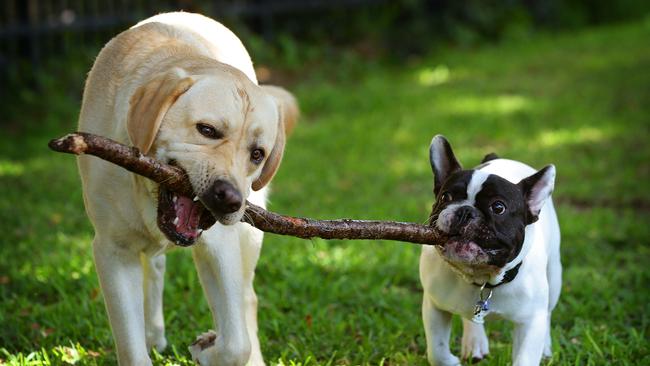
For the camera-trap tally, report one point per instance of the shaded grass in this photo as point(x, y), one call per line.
point(580, 101)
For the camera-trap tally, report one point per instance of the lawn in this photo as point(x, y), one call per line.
point(579, 100)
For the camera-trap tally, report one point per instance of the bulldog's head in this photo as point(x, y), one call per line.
point(482, 216)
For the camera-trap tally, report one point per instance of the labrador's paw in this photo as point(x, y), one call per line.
point(156, 340)
point(200, 348)
point(208, 350)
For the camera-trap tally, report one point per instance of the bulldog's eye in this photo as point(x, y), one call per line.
point(498, 207)
point(208, 131)
point(257, 156)
point(446, 197)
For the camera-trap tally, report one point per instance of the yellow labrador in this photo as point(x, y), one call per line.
point(181, 87)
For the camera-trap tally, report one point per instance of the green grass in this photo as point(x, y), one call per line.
point(581, 101)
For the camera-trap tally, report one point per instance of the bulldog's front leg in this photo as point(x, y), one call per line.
point(437, 328)
point(528, 340)
point(219, 264)
point(475, 344)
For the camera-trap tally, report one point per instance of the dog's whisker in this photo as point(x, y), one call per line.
point(249, 219)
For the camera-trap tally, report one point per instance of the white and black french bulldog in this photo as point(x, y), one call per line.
point(500, 257)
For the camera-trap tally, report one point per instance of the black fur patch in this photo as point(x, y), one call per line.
point(486, 160)
point(505, 232)
point(456, 184)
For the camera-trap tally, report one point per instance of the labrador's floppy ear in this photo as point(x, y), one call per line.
point(150, 103)
point(288, 116)
point(287, 106)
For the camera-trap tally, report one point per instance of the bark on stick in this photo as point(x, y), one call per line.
point(175, 179)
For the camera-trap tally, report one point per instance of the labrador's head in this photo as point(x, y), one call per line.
point(227, 133)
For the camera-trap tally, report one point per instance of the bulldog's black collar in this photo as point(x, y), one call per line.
point(509, 276)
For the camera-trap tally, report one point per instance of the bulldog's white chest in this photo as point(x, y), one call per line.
point(514, 300)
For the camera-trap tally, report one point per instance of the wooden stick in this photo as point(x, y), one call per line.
point(129, 158)
point(338, 229)
point(175, 179)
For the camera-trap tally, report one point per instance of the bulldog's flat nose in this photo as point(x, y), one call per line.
point(464, 215)
point(223, 198)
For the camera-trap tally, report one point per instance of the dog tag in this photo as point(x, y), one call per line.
point(482, 306)
point(480, 310)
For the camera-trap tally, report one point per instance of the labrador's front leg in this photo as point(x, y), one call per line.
point(120, 277)
point(219, 264)
point(154, 280)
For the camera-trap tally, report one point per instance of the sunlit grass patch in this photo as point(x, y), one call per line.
point(499, 105)
point(10, 168)
point(434, 76)
point(574, 136)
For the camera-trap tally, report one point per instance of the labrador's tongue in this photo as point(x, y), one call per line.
point(188, 215)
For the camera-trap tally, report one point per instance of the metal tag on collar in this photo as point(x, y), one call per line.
point(482, 305)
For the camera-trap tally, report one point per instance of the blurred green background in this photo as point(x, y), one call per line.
point(563, 82)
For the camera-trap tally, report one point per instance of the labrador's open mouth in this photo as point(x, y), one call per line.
point(182, 219)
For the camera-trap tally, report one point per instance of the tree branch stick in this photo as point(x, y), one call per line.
point(175, 179)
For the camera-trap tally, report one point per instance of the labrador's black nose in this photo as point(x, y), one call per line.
point(222, 198)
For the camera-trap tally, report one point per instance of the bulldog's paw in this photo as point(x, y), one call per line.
point(474, 345)
point(449, 360)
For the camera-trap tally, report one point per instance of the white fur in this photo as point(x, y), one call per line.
point(527, 301)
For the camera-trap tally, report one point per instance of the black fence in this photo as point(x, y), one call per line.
point(31, 30)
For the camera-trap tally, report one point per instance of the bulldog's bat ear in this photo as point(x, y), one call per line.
point(537, 189)
point(443, 162)
point(489, 157)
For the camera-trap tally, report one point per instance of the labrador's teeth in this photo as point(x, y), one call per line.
point(176, 221)
point(196, 198)
point(174, 199)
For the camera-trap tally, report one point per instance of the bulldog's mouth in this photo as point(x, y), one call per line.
point(461, 251)
point(182, 219)
point(468, 258)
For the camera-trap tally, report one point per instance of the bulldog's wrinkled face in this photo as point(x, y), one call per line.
point(482, 216)
point(223, 131)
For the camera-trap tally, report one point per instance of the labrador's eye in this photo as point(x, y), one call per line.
point(498, 207)
point(446, 197)
point(208, 131)
point(257, 156)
